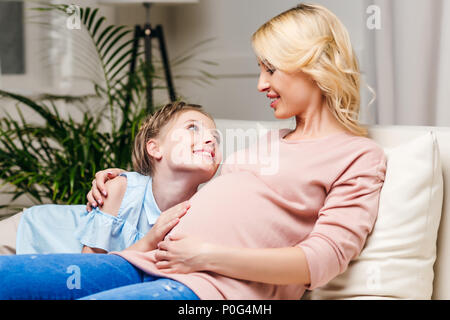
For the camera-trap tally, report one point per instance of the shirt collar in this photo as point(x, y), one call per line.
point(151, 207)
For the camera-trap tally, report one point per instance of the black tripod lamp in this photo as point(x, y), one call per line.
point(147, 33)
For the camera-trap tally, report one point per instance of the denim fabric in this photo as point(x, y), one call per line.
point(87, 276)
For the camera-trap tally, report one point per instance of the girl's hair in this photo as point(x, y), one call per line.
point(151, 128)
point(311, 39)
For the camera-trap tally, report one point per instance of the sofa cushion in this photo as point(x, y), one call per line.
point(397, 260)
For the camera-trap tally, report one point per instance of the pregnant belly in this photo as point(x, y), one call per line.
point(238, 209)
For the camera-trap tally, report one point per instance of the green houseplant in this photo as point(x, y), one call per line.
point(55, 160)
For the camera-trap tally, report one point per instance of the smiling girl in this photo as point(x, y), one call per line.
point(137, 198)
point(175, 151)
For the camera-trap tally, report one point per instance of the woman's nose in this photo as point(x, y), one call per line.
point(263, 84)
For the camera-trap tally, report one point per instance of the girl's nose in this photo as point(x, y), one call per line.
point(208, 137)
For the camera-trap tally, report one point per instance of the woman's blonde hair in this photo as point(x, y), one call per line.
point(311, 39)
point(151, 128)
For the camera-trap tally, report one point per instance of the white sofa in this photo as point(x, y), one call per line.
point(401, 269)
point(389, 137)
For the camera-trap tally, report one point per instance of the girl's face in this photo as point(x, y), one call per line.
point(191, 143)
point(290, 93)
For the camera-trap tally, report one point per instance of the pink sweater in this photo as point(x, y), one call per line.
point(323, 198)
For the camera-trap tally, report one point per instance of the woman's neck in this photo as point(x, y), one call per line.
point(315, 122)
point(171, 188)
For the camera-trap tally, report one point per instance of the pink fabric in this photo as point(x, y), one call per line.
point(323, 199)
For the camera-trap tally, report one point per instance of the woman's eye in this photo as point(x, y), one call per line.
point(271, 71)
point(267, 68)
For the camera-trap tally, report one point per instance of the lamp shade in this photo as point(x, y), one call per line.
point(128, 2)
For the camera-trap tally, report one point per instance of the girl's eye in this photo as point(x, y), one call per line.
point(192, 127)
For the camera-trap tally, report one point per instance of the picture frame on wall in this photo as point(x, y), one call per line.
point(12, 47)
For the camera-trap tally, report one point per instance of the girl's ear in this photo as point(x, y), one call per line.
point(153, 149)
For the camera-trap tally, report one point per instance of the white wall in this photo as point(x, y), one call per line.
point(44, 60)
point(231, 23)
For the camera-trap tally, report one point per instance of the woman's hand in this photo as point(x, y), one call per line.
point(166, 222)
point(182, 254)
point(186, 254)
point(98, 192)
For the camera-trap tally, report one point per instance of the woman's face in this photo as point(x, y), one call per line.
point(290, 93)
point(191, 143)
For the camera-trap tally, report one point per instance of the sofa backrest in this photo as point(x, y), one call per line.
point(391, 136)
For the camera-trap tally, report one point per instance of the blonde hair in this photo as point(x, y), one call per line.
point(151, 128)
point(311, 39)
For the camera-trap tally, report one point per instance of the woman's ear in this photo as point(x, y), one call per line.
point(153, 149)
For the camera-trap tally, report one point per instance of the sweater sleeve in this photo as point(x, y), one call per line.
point(346, 218)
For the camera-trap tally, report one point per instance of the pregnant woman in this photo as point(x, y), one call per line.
point(249, 235)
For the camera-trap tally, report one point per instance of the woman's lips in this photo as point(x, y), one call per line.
point(274, 103)
point(275, 98)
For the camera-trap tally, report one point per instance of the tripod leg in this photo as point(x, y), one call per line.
point(165, 60)
point(137, 33)
point(149, 67)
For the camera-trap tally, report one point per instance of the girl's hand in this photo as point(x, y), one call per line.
point(182, 254)
point(166, 222)
point(98, 192)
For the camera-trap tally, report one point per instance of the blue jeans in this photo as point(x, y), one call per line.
point(83, 276)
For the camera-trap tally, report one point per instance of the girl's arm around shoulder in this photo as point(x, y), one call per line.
point(116, 190)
